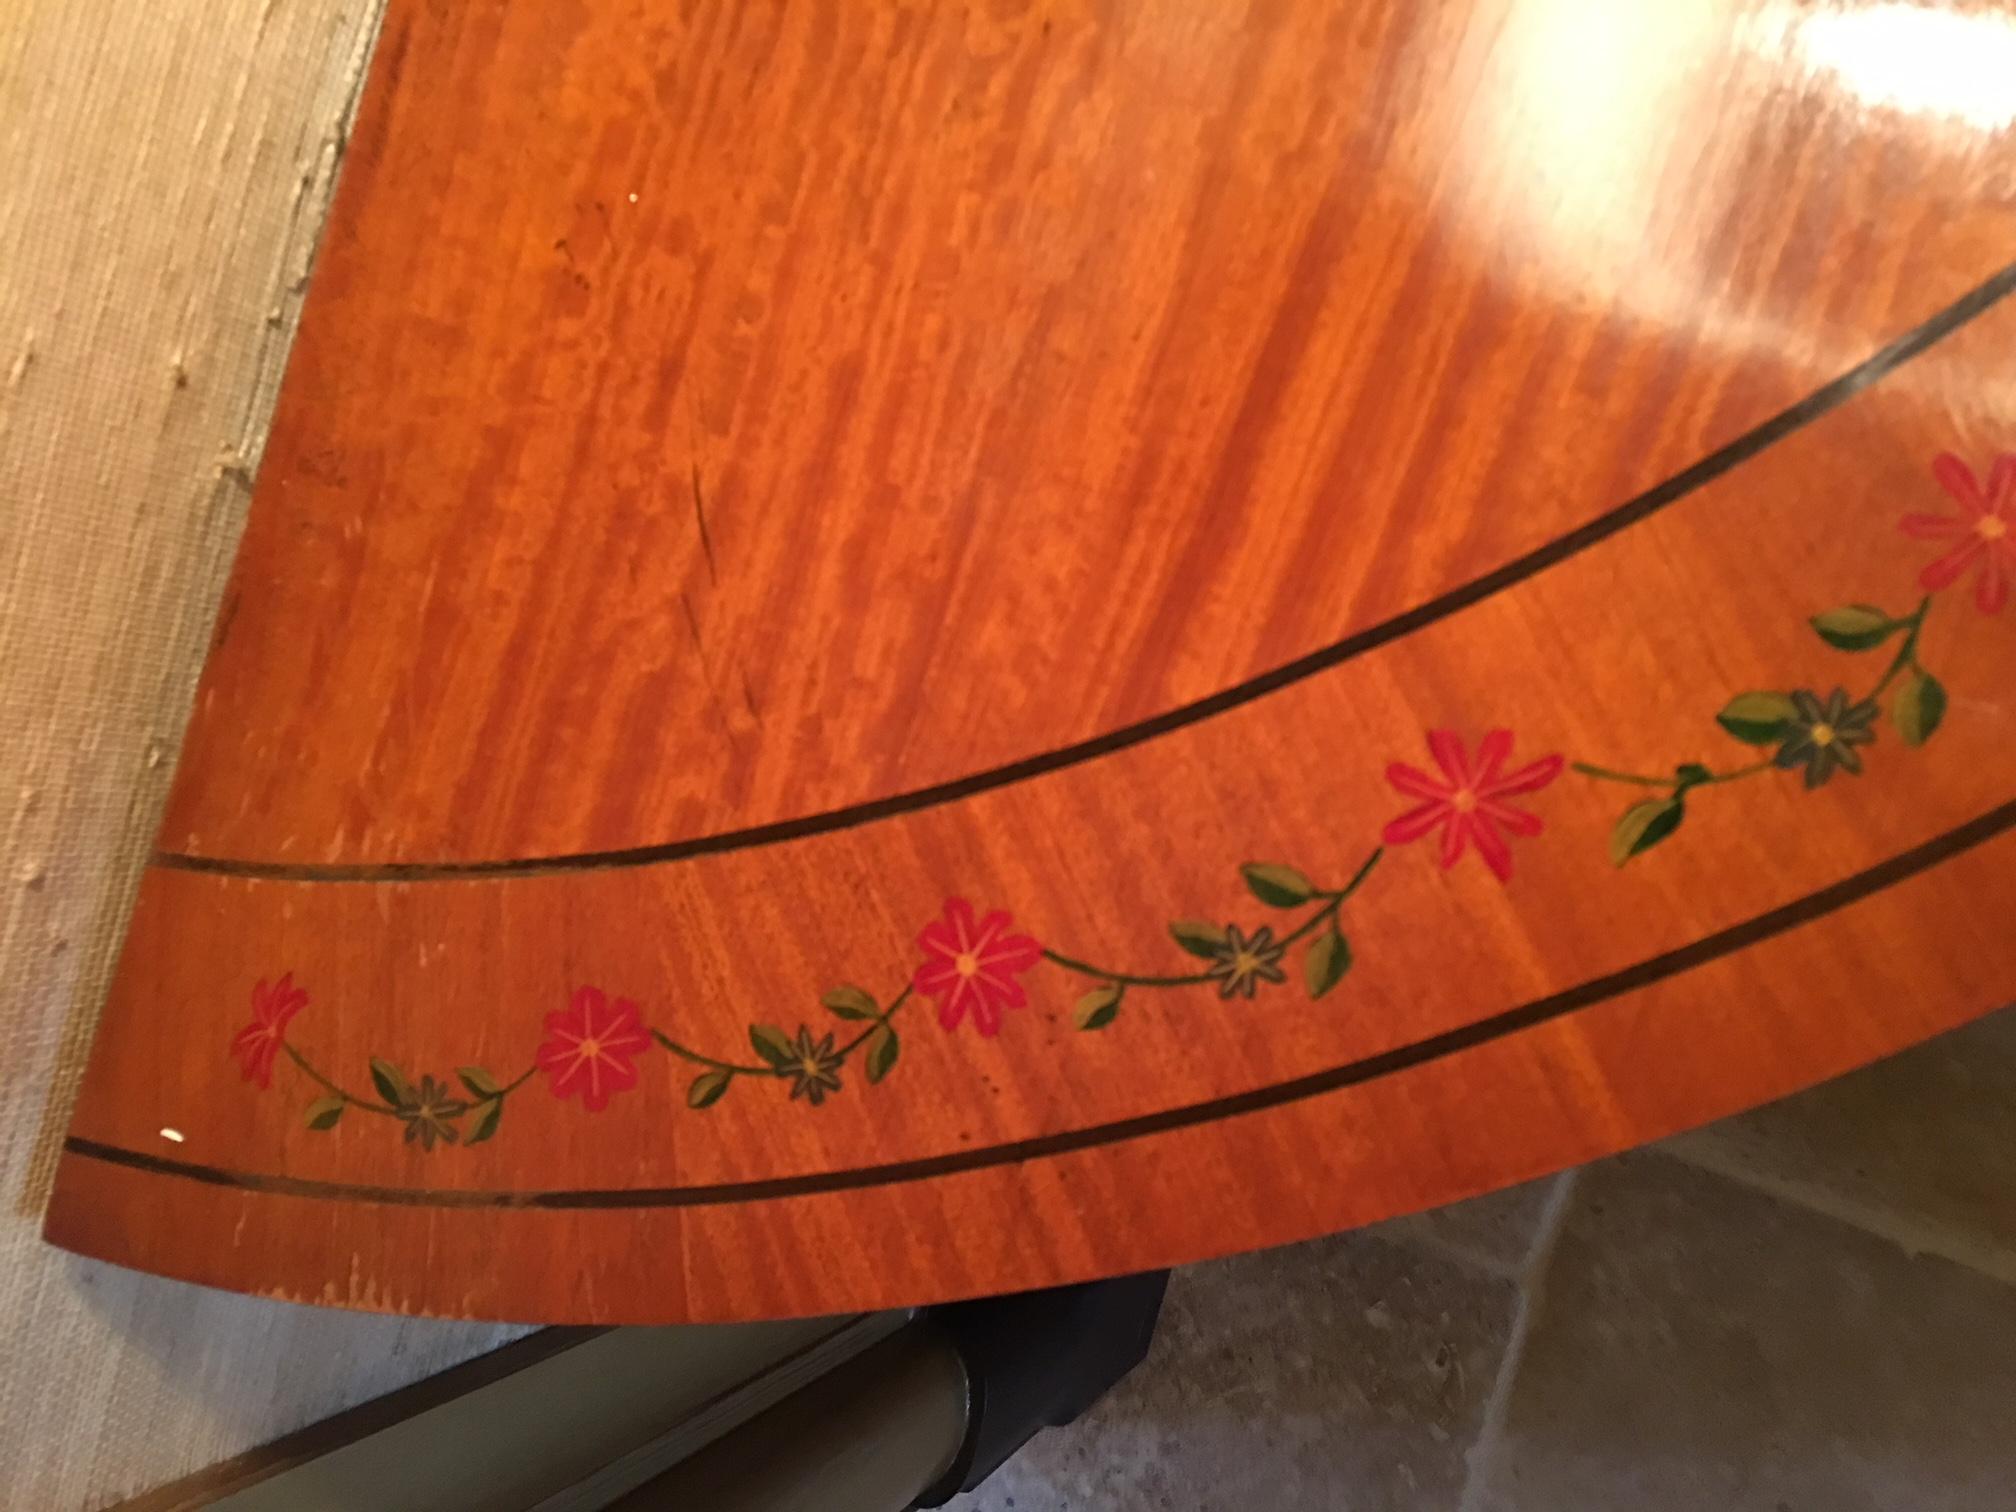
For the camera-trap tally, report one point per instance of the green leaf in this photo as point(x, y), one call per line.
point(1920, 705)
point(707, 1088)
point(479, 1082)
point(1644, 825)
point(770, 1043)
point(390, 1083)
point(484, 1124)
point(1758, 718)
point(1277, 886)
point(324, 1111)
point(1692, 774)
point(1199, 938)
point(1325, 964)
point(849, 1002)
point(882, 1048)
point(1098, 1007)
point(1856, 627)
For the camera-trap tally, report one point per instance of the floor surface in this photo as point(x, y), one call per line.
point(1811, 1308)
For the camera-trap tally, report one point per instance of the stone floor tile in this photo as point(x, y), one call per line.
point(1344, 1375)
point(1700, 1345)
point(1496, 1230)
point(1921, 1147)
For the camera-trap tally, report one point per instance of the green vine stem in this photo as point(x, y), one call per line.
point(1675, 782)
point(881, 1021)
point(1907, 652)
point(1124, 978)
point(349, 1098)
point(1819, 735)
point(366, 1105)
point(877, 1021)
point(431, 1116)
point(1239, 960)
point(1331, 900)
point(732, 1068)
point(811, 1066)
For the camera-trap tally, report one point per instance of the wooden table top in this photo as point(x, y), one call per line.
point(892, 651)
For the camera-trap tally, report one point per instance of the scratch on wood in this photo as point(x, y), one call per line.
point(707, 677)
point(700, 514)
point(748, 698)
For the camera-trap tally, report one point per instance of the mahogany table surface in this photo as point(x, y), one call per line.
point(887, 651)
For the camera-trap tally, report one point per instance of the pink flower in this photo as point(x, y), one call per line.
point(1467, 804)
point(259, 1041)
point(1984, 531)
point(972, 965)
point(590, 1049)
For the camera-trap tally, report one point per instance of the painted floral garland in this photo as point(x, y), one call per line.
point(973, 965)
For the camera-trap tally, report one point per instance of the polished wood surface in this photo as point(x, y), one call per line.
point(751, 482)
point(961, 383)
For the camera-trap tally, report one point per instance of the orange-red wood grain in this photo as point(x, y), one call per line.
point(1035, 369)
point(1695, 1047)
point(959, 386)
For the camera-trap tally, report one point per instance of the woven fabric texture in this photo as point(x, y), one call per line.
point(165, 170)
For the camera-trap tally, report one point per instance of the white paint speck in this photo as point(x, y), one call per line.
point(633, 196)
point(172, 1135)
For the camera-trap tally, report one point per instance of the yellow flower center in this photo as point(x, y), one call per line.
point(591, 1049)
point(967, 965)
point(1244, 961)
point(1991, 527)
point(1464, 802)
point(1823, 734)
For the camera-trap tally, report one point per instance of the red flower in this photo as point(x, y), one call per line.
point(259, 1041)
point(1467, 805)
point(972, 965)
point(1984, 531)
point(590, 1048)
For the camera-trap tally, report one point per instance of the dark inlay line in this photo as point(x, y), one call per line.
point(1558, 550)
point(1556, 1005)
